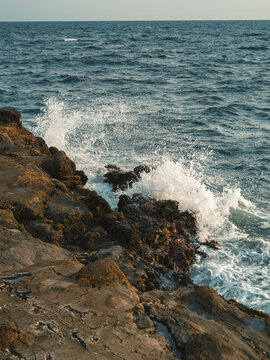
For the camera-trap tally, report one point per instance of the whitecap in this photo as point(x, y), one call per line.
point(70, 39)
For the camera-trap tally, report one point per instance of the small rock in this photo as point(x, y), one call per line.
point(102, 272)
point(144, 322)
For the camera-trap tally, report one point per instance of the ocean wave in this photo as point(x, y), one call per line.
point(70, 78)
point(95, 136)
point(176, 181)
point(94, 47)
point(70, 39)
point(219, 110)
point(253, 34)
point(254, 48)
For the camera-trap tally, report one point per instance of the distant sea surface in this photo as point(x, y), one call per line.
point(190, 98)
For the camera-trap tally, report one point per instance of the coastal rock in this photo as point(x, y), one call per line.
point(56, 314)
point(55, 210)
point(157, 231)
point(58, 165)
point(101, 272)
point(122, 180)
point(114, 291)
point(20, 249)
point(9, 116)
point(200, 333)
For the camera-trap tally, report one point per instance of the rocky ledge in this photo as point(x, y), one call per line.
point(80, 281)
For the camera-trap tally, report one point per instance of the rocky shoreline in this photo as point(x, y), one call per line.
point(81, 281)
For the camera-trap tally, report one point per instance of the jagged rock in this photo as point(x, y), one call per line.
point(144, 322)
point(122, 180)
point(206, 332)
point(94, 238)
point(96, 203)
point(58, 165)
point(9, 116)
point(82, 176)
point(157, 230)
point(53, 150)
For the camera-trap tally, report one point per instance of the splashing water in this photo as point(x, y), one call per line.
point(109, 131)
point(175, 181)
point(90, 136)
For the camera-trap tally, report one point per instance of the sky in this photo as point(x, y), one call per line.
point(95, 10)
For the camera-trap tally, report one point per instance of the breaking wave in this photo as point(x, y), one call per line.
point(178, 181)
point(111, 131)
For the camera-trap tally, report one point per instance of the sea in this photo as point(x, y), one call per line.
point(189, 98)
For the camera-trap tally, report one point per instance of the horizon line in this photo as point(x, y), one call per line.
point(152, 20)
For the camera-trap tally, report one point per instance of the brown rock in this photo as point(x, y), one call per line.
point(210, 299)
point(144, 322)
point(82, 176)
point(58, 165)
point(158, 231)
point(9, 335)
point(54, 307)
point(94, 238)
point(102, 272)
point(10, 116)
point(209, 347)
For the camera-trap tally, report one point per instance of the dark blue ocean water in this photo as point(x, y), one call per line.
point(191, 98)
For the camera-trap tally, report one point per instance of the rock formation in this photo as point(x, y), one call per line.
point(80, 281)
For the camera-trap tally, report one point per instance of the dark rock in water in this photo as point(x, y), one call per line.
point(53, 150)
point(122, 180)
point(213, 244)
point(112, 167)
point(82, 176)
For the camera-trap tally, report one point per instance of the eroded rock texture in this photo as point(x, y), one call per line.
point(80, 281)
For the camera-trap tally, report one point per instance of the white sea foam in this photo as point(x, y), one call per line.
point(70, 39)
point(179, 181)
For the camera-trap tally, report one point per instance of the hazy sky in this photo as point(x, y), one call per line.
point(20, 10)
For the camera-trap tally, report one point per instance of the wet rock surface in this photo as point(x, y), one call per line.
point(122, 180)
point(79, 280)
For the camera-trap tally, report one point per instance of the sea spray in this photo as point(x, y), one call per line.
point(90, 135)
point(177, 181)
